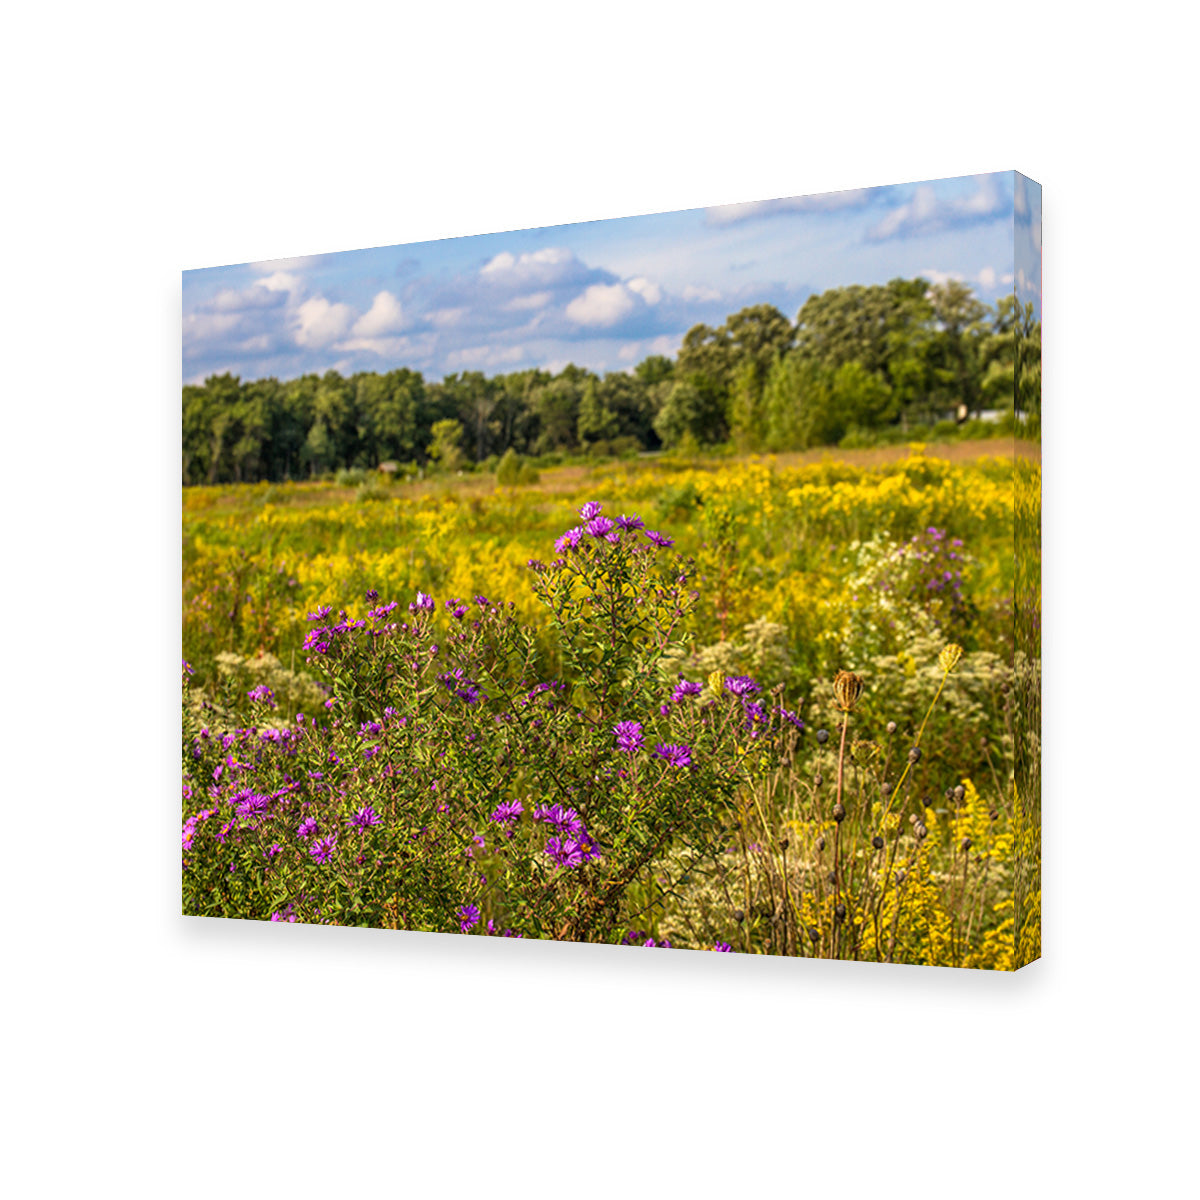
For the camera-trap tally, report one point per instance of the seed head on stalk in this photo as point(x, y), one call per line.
point(948, 659)
point(847, 689)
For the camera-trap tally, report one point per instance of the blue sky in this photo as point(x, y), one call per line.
point(601, 294)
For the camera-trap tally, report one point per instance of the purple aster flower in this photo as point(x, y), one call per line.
point(674, 755)
point(565, 820)
point(285, 915)
point(364, 818)
point(685, 687)
point(468, 916)
point(598, 527)
point(741, 685)
point(510, 810)
point(263, 693)
point(251, 804)
point(188, 669)
point(371, 595)
point(629, 736)
point(571, 850)
point(423, 603)
point(321, 613)
point(724, 947)
point(630, 523)
point(273, 849)
point(569, 540)
point(322, 849)
point(659, 539)
point(591, 509)
point(308, 827)
point(189, 832)
point(482, 601)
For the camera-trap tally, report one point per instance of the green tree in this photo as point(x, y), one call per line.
point(446, 447)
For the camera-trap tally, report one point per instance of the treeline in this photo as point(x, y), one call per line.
point(857, 359)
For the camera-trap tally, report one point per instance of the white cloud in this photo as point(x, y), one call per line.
point(444, 318)
point(280, 281)
point(539, 267)
point(484, 356)
point(601, 304)
point(987, 277)
point(385, 347)
point(384, 316)
point(319, 323)
point(650, 292)
point(533, 300)
point(630, 352)
point(696, 293)
point(200, 327)
point(666, 344)
point(924, 213)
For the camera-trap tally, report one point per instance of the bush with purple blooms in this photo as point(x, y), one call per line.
point(462, 778)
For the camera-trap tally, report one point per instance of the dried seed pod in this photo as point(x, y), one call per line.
point(783, 844)
point(818, 779)
point(901, 876)
point(921, 832)
point(832, 878)
point(738, 915)
point(914, 755)
point(839, 813)
point(877, 842)
point(839, 913)
point(966, 844)
point(960, 793)
point(822, 736)
point(885, 788)
point(993, 814)
point(847, 689)
point(814, 933)
point(821, 842)
point(891, 727)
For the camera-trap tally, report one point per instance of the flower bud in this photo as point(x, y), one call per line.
point(821, 842)
point(839, 913)
point(839, 813)
point(818, 779)
point(877, 842)
point(822, 736)
point(891, 727)
point(966, 844)
point(738, 915)
point(914, 755)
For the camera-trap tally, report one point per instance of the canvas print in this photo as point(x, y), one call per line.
point(665, 582)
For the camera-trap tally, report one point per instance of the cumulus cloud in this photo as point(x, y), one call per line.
point(650, 292)
point(601, 304)
point(699, 294)
point(479, 357)
point(547, 265)
point(384, 316)
point(533, 300)
point(446, 318)
point(926, 212)
point(320, 323)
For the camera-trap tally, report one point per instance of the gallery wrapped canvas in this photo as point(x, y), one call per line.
point(665, 582)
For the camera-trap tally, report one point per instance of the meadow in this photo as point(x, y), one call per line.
point(774, 705)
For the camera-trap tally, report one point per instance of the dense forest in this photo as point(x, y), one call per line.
point(857, 359)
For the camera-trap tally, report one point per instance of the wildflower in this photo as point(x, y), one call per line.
point(598, 527)
point(591, 509)
point(371, 595)
point(741, 685)
point(723, 947)
point(322, 849)
point(847, 688)
point(456, 608)
point(468, 916)
point(272, 850)
point(674, 755)
point(423, 603)
point(569, 540)
point(321, 613)
point(307, 828)
point(685, 687)
point(571, 850)
point(659, 539)
point(949, 657)
point(630, 523)
point(364, 818)
point(565, 820)
point(510, 810)
point(629, 736)
point(482, 601)
point(263, 693)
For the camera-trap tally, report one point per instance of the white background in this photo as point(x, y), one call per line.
point(151, 1056)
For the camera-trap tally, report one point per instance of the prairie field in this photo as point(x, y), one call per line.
point(776, 704)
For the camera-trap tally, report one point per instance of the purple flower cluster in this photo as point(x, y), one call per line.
point(629, 736)
point(674, 755)
point(467, 690)
point(262, 693)
point(685, 687)
point(741, 685)
point(468, 917)
point(364, 818)
point(422, 603)
point(322, 849)
point(506, 812)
